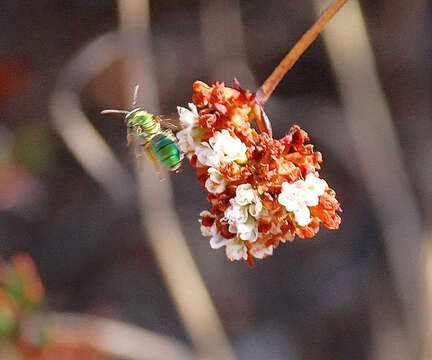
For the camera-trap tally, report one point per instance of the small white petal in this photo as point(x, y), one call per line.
point(256, 208)
point(227, 147)
point(300, 194)
point(236, 214)
point(259, 250)
point(206, 213)
point(188, 139)
point(215, 175)
point(232, 228)
point(236, 250)
point(208, 230)
point(187, 117)
point(289, 200)
point(217, 241)
point(206, 155)
point(193, 108)
point(245, 194)
point(248, 231)
point(310, 198)
point(216, 182)
point(185, 141)
point(302, 216)
point(315, 184)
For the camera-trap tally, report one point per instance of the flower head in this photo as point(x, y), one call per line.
point(236, 250)
point(245, 195)
point(236, 214)
point(206, 155)
point(298, 196)
point(228, 148)
point(262, 191)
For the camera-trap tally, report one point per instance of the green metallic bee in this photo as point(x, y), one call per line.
point(156, 133)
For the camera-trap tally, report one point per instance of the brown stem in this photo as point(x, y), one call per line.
point(299, 48)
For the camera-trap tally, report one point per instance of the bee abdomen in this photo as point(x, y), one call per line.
point(166, 150)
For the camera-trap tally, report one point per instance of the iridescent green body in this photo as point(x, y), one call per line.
point(161, 142)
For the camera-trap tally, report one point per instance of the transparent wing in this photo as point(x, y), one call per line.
point(169, 121)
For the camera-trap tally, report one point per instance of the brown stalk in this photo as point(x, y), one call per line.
point(299, 48)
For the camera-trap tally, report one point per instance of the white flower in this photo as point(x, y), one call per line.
point(190, 136)
point(235, 249)
point(255, 208)
point(208, 230)
point(236, 214)
point(185, 140)
point(216, 182)
point(259, 250)
point(221, 147)
point(292, 195)
point(247, 231)
point(217, 241)
point(296, 197)
point(206, 155)
point(188, 140)
point(228, 148)
point(245, 194)
point(302, 216)
point(315, 188)
point(188, 118)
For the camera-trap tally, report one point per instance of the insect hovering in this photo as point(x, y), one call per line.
point(157, 135)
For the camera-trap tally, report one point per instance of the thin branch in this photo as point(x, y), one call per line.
point(299, 48)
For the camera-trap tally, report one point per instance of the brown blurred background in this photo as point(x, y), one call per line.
point(357, 293)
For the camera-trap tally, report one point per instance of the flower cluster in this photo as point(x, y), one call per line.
point(262, 191)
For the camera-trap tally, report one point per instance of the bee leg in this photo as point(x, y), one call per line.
point(129, 138)
point(153, 159)
point(140, 157)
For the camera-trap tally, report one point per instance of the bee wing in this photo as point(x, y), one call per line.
point(169, 121)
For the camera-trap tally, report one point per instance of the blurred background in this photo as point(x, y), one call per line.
point(362, 92)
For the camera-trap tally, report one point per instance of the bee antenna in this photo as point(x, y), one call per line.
point(135, 95)
point(110, 111)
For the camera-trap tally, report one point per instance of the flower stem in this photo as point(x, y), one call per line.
point(299, 48)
